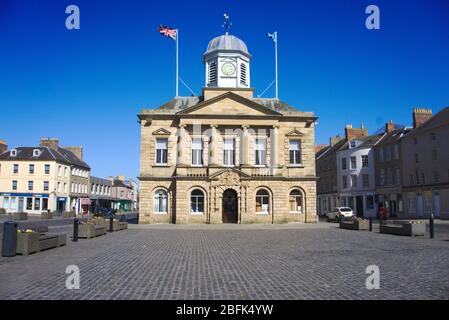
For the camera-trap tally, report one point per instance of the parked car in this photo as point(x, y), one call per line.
point(346, 212)
point(105, 213)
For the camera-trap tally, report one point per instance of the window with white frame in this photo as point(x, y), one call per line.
point(365, 161)
point(31, 169)
point(160, 201)
point(197, 152)
point(229, 151)
point(295, 201)
point(30, 185)
point(161, 151)
point(14, 185)
point(15, 168)
point(261, 151)
point(46, 185)
point(47, 169)
point(262, 202)
point(295, 152)
point(353, 163)
point(13, 153)
point(197, 202)
point(36, 153)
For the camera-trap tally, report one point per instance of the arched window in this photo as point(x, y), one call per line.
point(160, 201)
point(197, 201)
point(295, 200)
point(262, 201)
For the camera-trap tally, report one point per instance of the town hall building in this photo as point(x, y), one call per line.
point(227, 156)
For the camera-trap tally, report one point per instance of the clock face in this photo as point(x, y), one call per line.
point(228, 69)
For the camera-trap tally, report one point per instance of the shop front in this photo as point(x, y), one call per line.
point(31, 203)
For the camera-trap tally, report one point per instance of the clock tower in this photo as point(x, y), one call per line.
point(227, 63)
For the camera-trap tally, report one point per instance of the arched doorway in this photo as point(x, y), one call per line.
point(230, 206)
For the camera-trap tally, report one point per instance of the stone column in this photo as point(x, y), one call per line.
point(182, 144)
point(275, 147)
point(245, 147)
point(214, 145)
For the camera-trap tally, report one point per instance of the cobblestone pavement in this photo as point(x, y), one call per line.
point(234, 262)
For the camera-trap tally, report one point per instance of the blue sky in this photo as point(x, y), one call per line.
point(86, 86)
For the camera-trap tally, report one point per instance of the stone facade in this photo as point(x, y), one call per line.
point(272, 121)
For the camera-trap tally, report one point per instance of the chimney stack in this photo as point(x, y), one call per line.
point(389, 126)
point(319, 147)
point(420, 115)
point(3, 146)
point(77, 151)
point(351, 132)
point(334, 140)
point(52, 143)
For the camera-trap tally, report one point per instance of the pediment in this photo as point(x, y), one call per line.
point(229, 103)
point(161, 132)
point(295, 133)
point(229, 174)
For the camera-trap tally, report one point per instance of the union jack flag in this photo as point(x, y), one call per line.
point(168, 32)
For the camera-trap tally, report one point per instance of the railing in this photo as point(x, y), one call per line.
point(262, 172)
point(197, 172)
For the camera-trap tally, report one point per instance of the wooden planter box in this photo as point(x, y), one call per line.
point(89, 231)
point(69, 214)
point(404, 228)
point(355, 225)
point(46, 215)
point(27, 243)
point(19, 216)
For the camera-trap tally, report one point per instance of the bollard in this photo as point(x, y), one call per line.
point(111, 221)
point(370, 224)
point(9, 243)
point(431, 226)
point(75, 230)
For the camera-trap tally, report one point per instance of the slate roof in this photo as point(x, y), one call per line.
point(181, 103)
point(393, 136)
point(46, 154)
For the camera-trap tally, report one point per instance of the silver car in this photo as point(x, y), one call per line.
point(346, 212)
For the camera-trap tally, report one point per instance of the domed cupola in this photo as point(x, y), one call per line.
point(227, 63)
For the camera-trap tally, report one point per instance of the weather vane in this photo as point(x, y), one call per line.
point(227, 24)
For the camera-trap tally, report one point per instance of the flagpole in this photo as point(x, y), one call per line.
point(276, 61)
point(177, 62)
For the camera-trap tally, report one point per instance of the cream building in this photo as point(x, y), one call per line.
point(226, 156)
point(36, 179)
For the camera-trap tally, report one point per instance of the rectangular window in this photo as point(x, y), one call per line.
point(162, 151)
point(436, 177)
point(5, 202)
point(381, 155)
point(13, 203)
point(353, 163)
point(59, 171)
point(365, 178)
point(345, 182)
point(44, 203)
point(197, 152)
point(433, 136)
point(396, 152)
point(29, 203)
point(411, 179)
point(365, 161)
point(423, 178)
point(37, 204)
point(47, 169)
point(14, 185)
point(353, 180)
point(65, 172)
point(30, 185)
point(398, 176)
point(382, 177)
point(416, 158)
point(229, 153)
point(260, 151)
point(370, 202)
point(15, 168)
point(387, 153)
point(59, 186)
point(295, 152)
point(31, 169)
point(343, 164)
point(45, 185)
